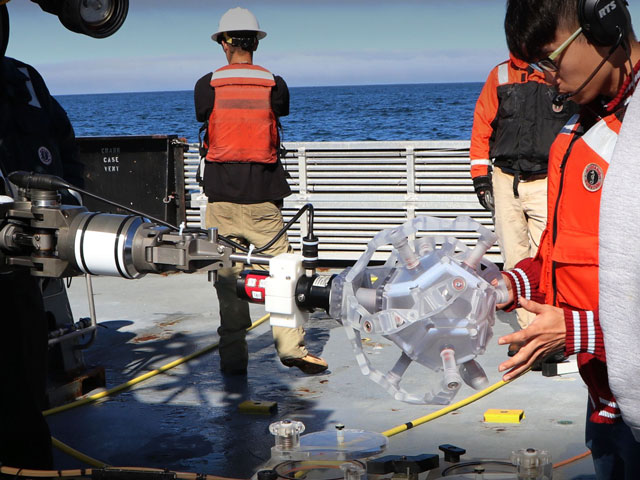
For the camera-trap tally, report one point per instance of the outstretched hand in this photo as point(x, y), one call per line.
point(544, 335)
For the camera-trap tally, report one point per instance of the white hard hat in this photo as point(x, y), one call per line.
point(238, 19)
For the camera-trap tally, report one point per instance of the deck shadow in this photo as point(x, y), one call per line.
point(185, 419)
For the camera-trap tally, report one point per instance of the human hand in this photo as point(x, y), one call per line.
point(510, 294)
point(544, 335)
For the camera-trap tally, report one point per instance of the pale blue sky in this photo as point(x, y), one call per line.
point(166, 45)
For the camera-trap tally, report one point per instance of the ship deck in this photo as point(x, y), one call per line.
point(187, 419)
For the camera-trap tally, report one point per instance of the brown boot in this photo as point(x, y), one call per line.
point(309, 364)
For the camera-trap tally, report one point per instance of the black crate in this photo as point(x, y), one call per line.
point(141, 172)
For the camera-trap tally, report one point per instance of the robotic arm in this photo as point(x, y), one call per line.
point(55, 240)
point(434, 297)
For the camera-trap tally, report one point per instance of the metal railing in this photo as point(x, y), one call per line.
point(360, 188)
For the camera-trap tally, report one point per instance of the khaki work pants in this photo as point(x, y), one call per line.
point(519, 222)
point(247, 224)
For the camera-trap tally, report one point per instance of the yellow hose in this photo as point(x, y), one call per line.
point(24, 472)
point(141, 378)
point(443, 411)
point(462, 403)
point(63, 447)
point(388, 433)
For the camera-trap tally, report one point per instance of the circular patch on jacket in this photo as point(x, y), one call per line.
point(592, 177)
point(45, 156)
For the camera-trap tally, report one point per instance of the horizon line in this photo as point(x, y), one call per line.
point(290, 87)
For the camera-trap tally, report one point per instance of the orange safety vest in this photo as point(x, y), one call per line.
point(242, 126)
point(578, 164)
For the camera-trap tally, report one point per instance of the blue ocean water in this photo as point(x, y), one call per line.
point(435, 111)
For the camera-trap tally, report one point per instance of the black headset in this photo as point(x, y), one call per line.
point(604, 22)
point(246, 40)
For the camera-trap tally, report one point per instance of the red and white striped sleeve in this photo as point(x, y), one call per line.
point(525, 281)
point(584, 334)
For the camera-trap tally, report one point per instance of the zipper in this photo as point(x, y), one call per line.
point(563, 164)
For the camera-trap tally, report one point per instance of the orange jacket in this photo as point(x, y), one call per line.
point(514, 123)
point(564, 272)
point(569, 251)
point(242, 126)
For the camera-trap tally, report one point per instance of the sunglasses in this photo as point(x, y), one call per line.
point(549, 64)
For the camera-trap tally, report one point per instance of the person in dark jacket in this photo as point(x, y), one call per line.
point(35, 135)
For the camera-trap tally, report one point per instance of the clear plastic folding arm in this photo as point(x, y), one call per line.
point(433, 298)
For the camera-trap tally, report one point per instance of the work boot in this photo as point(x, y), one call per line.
point(309, 364)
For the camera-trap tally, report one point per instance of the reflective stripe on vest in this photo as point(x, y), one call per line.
point(242, 126)
point(503, 73)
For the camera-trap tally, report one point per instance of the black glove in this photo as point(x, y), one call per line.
point(484, 190)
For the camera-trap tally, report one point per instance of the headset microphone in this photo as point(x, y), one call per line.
point(559, 99)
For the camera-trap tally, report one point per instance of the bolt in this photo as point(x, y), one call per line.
point(301, 298)
point(340, 433)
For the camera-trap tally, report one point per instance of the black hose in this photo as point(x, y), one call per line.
point(52, 182)
point(282, 231)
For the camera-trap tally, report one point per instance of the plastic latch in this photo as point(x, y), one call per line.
point(451, 452)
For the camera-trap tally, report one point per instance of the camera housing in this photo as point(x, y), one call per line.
point(95, 18)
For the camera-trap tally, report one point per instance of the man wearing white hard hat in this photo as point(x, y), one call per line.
point(244, 179)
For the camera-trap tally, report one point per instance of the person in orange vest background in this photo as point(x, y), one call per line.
point(514, 125)
point(244, 180)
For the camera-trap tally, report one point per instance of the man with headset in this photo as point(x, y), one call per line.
point(589, 51)
point(244, 179)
